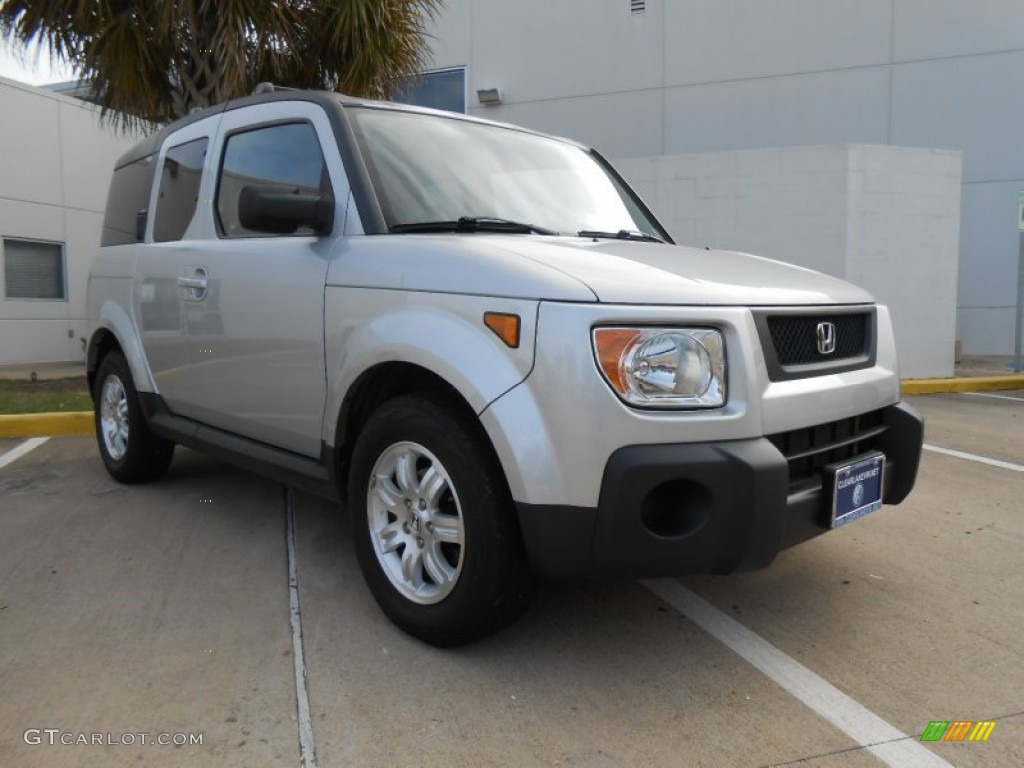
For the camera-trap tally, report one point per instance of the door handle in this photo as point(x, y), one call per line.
point(195, 286)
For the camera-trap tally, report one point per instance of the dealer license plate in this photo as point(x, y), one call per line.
point(856, 488)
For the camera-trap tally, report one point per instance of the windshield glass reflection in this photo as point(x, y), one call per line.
point(428, 168)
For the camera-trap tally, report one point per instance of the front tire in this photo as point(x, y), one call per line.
point(434, 527)
point(130, 452)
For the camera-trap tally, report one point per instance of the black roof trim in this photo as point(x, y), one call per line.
point(151, 143)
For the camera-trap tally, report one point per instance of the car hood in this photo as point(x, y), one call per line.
point(632, 272)
point(580, 269)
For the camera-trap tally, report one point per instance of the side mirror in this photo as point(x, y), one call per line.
point(282, 213)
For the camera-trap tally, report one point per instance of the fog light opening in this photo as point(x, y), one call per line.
point(675, 509)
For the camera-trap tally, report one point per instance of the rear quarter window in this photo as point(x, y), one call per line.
point(129, 194)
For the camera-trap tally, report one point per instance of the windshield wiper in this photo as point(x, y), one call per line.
point(622, 234)
point(473, 224)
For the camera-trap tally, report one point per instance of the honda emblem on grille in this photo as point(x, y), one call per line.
point(826, 338)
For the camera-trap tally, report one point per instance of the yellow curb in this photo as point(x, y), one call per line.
point(82, 422)
point(42, 424)
point(965, 384)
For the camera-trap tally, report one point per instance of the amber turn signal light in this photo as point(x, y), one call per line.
point(612, 344)
point(506, 326)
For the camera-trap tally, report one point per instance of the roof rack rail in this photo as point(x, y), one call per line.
point(268, 87)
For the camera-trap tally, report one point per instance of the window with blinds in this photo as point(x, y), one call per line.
point(33, 270)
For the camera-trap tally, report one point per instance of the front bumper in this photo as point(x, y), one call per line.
point(715, 507)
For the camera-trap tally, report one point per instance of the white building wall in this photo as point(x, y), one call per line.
point(886, 218)
point(706, 76)
point(55, 166)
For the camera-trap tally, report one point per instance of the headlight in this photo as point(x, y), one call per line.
point(663, 367)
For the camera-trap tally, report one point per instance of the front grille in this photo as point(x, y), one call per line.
point(811, 449)
point(795, 337)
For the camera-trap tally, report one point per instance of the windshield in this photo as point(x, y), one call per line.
point(429, 168)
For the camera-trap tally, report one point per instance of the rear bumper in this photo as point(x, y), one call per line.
point(718, 507)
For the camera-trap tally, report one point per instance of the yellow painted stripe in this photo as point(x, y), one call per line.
point(965, 384)
point(39, 424)
point(80, 422)
point(982, 730)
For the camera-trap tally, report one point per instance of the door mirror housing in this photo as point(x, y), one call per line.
point(282, 212)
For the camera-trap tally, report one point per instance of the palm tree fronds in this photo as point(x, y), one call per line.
point(154, 60)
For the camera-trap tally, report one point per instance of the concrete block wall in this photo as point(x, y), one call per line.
point(691, 76)
point(886, 218)
point(56, 160)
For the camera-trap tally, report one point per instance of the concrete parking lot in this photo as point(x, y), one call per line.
point(165, 610)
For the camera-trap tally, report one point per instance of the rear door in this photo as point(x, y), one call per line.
point(255, 324)
point(161, 290)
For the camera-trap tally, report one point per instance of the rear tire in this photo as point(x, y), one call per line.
point(130, 452)
point(434, 527)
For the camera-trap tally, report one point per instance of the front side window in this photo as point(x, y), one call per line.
point(279, 158)
point(179, 189)
point(428, 168)
point(34, 270)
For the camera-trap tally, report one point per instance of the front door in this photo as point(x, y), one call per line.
point(255, 324)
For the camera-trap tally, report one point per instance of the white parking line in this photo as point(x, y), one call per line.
point(996, 397)
point(884, 741)
point(307, 747)
point(974, 457)
point(16, 453)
